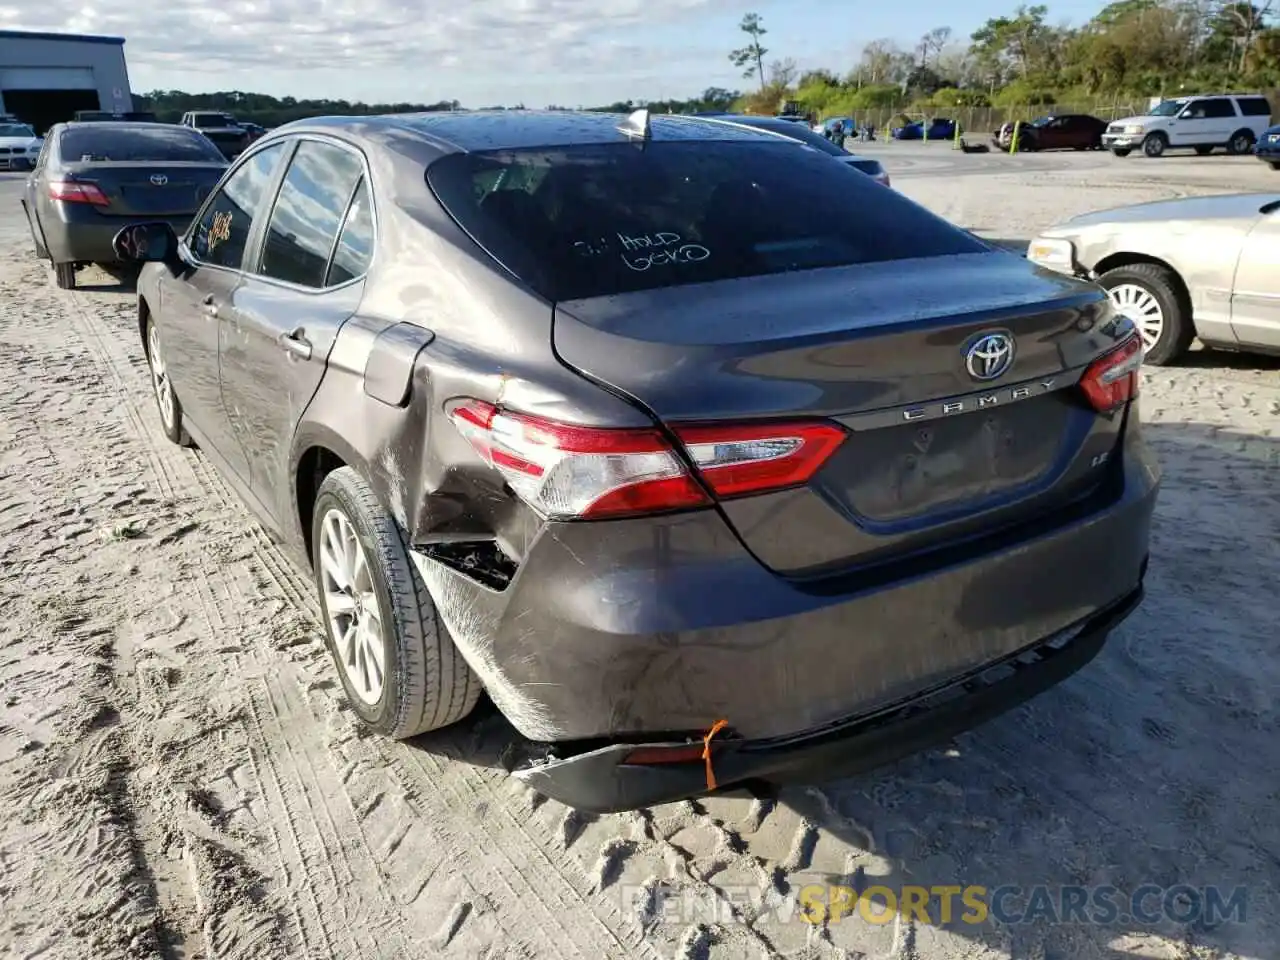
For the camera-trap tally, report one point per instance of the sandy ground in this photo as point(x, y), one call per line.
point(179, 777)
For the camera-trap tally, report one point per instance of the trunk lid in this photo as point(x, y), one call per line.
point(149, 189)
point(933, 454)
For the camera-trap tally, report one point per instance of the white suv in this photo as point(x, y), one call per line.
point(1234, 121)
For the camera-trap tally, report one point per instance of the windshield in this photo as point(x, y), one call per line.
point(603, 219)
point(1167, 108)
point(160, 143)
point(16, 130)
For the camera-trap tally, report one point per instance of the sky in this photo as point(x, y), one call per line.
point(487, 52)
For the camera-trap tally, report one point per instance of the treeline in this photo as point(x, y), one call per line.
point(170, 105)
point(1131, 50)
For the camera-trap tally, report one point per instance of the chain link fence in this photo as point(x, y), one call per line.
point(986, 120)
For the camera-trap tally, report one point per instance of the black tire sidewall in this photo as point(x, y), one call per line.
point(1122, 152)
point(64, 274)
point(1168, 346)
point(1244, 139)
point(384, 715)
point(1150, 142)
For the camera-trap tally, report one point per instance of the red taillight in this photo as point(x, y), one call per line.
point(71, 192)
point(565, 471)
point(1112, 380)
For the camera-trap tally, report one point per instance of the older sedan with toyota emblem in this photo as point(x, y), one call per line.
point(713, 462)
point(93, 178)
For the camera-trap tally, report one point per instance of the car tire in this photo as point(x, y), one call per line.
point(1159, 284)
point(1241, 142)
point(1203, 151)
point(1274, 164)
point(1155, 145)
point(168, 406)
point(1121, 151)
point(424, 682)
point(64, 275)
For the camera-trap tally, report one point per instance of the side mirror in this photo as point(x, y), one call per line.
point(153, 242)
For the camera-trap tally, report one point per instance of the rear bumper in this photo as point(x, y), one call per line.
point(85, 235)
point(603, 781)
point(647, 630)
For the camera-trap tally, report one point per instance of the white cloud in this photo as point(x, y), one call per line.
point(467, 37)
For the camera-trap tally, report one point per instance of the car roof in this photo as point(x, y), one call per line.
point(468, 131)
point(118, 125)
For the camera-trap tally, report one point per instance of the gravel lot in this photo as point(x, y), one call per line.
point(178, 777)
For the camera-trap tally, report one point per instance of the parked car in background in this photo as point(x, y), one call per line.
point(1199, 123)
point(1073, 131)
point(19, 146)
point(714, 409)
point(93, 178)
point(224, 130)
point(938, 129)
point(804, 134)
point(1267, 148)
point(1199, 267)
point(254, 130)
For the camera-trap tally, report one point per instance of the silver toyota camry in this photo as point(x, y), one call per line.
point(1201, 267)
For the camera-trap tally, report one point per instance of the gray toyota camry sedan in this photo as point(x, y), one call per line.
point(713, 462)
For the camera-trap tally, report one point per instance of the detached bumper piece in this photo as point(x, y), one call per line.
point(633, 775)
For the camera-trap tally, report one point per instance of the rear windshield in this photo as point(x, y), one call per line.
point(137, 144)
point(800, 133)
point(596, 220)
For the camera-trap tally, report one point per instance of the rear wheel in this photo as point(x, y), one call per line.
point(1121, 151)
point(1152, 297)
point(399, 667)
point(1154, 145)
point(1241, 142)
point(1274, 164)
point(1203, 151)
point(64, 275)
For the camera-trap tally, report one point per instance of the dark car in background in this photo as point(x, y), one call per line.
point(1267, 149)
point(93, 178)
point(711, 460)
point(807, 135)
point(938, 128)
point(1074, 131)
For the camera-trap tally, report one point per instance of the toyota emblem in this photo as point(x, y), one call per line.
point(159, 179)
point(990, 356)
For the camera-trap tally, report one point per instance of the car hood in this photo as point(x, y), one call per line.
point(19, 141)
point(1140, 120)
point(1241, 206)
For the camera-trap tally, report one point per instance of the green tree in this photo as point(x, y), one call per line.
point(751, 57)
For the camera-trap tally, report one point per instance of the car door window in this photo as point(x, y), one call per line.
point(354, 251)
point(309, 212)
point(1218, 108)
point(222, 233)
point(1254, 106)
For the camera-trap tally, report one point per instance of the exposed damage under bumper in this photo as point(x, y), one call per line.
point(609, 779)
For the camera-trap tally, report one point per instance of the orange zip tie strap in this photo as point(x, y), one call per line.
point(706, 751)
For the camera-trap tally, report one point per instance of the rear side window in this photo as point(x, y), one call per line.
point(159, 144)
point(308, 213)
point(354, 252)
point(1254, 106)
point(595, 220)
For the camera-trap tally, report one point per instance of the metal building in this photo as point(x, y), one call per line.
point(46, 77)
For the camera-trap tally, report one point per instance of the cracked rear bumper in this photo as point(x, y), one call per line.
point(602, 781)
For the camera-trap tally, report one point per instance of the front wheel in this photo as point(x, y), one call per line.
point(167, 401)
point(1152, 297)
point(1155, 144)
point(1274, 164)
point(399, 667)
point(1121, 151)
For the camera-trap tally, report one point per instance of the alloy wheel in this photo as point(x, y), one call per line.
point(1141, 306)
point(351, 607)
point(160, 378)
